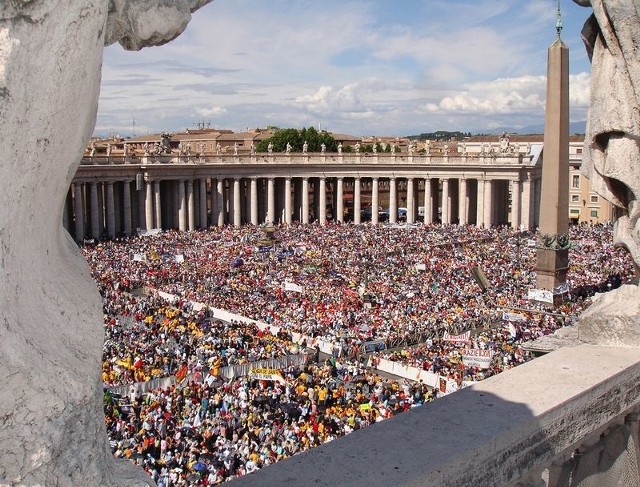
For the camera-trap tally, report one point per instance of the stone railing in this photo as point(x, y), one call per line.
point(314, 158)
point(569, 418)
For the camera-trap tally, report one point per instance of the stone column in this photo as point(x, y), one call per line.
point(428, 205)
point(202, 194)
point(254, 200)
point(95, 211)
point(148, 206)
point(323, 201)
point(220, 202)
point(446, 212)
point(393, 201)
point(271, 204)
point(525, 210)
point(78, 210)
point(462, 202)
point(288, 207)
point(191, 210)
point(411, 216)
point(480, 203)
point(237, 207)
point(157, 196)
point(182, 207)
point(375, 204)
point(339, 216)
point(357, 204)
point(488, 203)
point(126, 206)
point(515, 204)
point(305, 201)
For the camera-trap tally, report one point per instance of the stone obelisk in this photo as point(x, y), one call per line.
point(553, 243)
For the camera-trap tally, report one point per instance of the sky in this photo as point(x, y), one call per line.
point(358, 67)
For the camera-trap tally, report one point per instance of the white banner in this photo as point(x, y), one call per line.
point(516, 317)
point(457, 338)
point(267, 374)
point(139, 258)
point(290, 286)
point(179, 258)
point(421, 267)
point(543, 295)
point(476, 357)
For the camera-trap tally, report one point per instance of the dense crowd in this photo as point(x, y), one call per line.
point(349, 285)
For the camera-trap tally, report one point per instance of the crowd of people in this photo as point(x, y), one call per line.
point(408, 287)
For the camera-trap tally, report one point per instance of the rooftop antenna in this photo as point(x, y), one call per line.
point(559, 20)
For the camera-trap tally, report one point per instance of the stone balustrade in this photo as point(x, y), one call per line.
point(569, 418)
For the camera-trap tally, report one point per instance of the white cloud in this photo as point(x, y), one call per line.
point(210, 112)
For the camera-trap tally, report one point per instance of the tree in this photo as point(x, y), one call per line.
point(297, 138)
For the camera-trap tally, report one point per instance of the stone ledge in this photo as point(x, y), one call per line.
point(492, 433)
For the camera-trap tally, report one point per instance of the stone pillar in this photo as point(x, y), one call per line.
point(446, 210)
point(95, 211)
point(339, 216)
point(462, 202)
point(488, 203)
point(393, 201)
point(515, 204)
point(288, 207)
point(182, 207)
point(191, 210)
point(357, 203)
point(525, 209)
point(480, 203)
point(220, 204)
point(148, 206)
point(202, 196)
point(237, 207)
point(271, 204)
point(375, 202)
point(254, 200)
point(305, 201)
point(428, 202)
point(323, 201)
point(78, 210)
point(411, 202)
point(126, 206)
point(157, 196)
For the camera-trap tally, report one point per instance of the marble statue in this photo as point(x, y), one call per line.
point(323, 148)
point(375, 148)
point(108, 150)
point(270, 148)
point(252, 149)
point(288, 149)
point(340, 148)
point(235, 148)
point(611, 155)
point(52, 429)
point(145, 148)
point(305, 147)
point(393, 148)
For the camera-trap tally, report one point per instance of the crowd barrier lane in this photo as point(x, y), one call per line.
point(405, 371)
point(230, 372)
point(324, 346)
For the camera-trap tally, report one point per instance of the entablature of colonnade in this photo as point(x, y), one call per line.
point(300, 165)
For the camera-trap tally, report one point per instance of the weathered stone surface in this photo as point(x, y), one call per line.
point(612, 152)
point(51, 421)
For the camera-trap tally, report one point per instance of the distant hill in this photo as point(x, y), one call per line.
point(574, 128)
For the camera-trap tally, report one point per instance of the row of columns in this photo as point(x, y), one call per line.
point(110, 208)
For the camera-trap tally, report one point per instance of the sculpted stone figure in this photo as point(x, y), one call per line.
point(612, 154)
point(52, 431)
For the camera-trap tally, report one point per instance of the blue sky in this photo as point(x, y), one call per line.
point(362, 67)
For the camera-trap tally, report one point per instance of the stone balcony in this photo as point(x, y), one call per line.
point(568, 418)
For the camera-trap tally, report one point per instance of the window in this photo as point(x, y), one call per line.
point(574, 211)
point(575, 198)
point(579, 150)
point(594, 213)
point(594, 198)
point(576, 181)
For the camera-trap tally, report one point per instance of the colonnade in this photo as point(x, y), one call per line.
point(109, 208)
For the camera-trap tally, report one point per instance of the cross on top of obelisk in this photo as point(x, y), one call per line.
point(559, 20)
